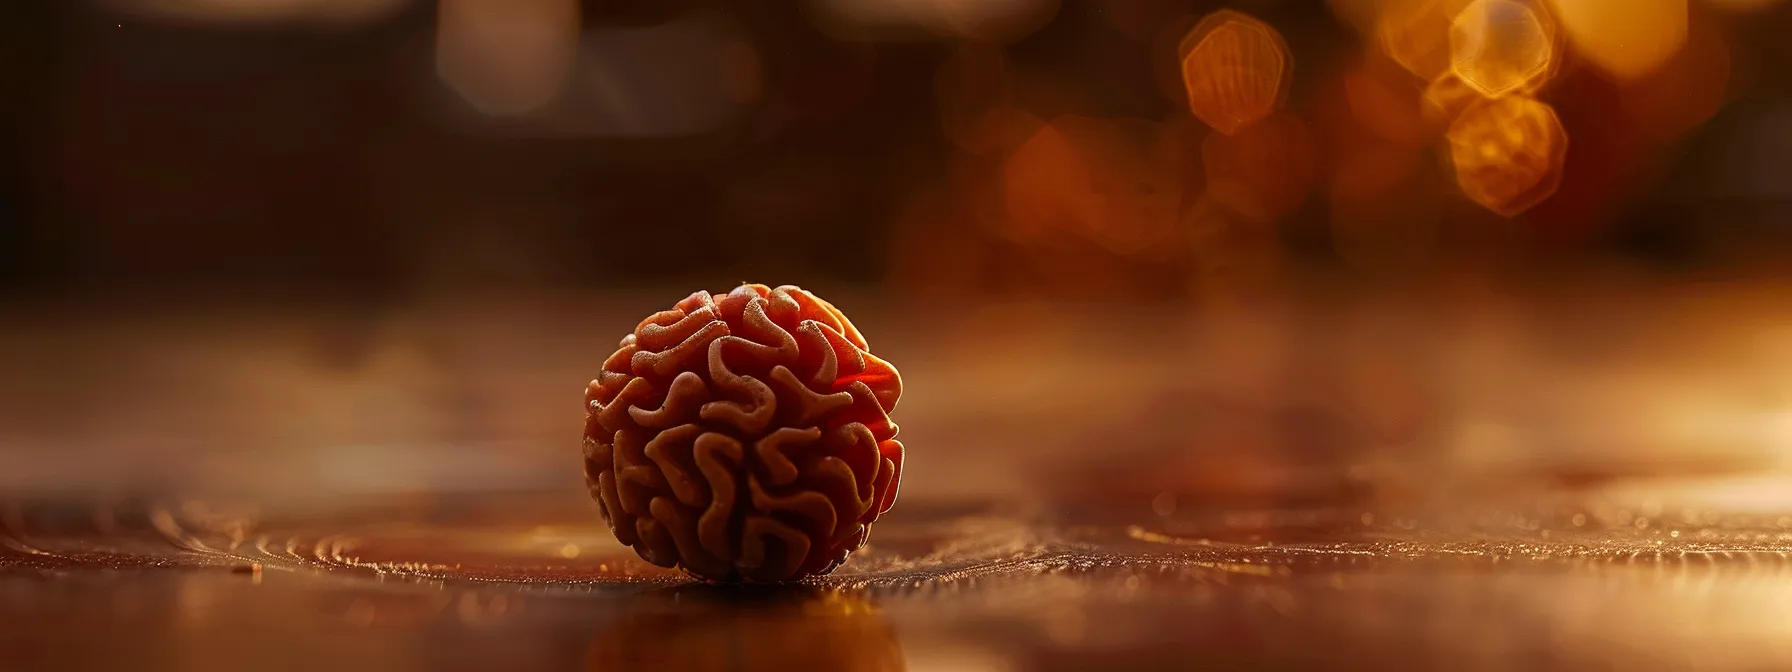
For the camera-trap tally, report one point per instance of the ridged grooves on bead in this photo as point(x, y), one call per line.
point(744, 436)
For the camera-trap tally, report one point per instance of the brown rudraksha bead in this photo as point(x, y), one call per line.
point(744, 436)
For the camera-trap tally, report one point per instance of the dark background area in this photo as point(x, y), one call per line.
point(171, 158)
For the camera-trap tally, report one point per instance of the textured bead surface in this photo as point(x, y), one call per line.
point(744, 436)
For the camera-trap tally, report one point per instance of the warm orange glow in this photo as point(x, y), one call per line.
point(742, 75)
point(1742, 6)
point(1110, 181)
point(1264, 171)
point(1236, 70)
point(1500, 46)
point(1686, 91)
point(507, 58)
point(1388, 108)
point(1384, 214)
point(1416, 34)
point(1358, 14)
point(1508, 153)
point(994, 21)
point(328, 12)
point(1147, 21)
point(1231, 260)
point(1372, 170)
point(1446, 98)
point(1624, 38)
point(974, 92)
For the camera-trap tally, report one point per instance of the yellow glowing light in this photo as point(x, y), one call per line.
point(1264, 171)
point(1624, 38)
point(1235, 69)
point(1500, 46)
point(1416, 34)
point(1508, 153)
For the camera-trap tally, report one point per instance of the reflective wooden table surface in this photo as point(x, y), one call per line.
point(528, 580)
point(1248, 491)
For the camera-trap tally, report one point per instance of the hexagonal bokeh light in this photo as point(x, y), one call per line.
point(1508, 153)
point(1501, 46)
point(1416, 34)
point(1235, 68)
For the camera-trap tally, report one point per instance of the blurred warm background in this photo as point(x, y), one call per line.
point(1261, 334)
point(1148, 249)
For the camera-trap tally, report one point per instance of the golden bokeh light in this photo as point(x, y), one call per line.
point(1113, 182)
point(1235, 69)
point(1508, 153)
point(1625, 39)
point(1264, 171)
point(1416, 34)
point(1501, 46)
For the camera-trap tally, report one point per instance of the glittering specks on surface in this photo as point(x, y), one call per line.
point(959, 585)
point(1401, 489)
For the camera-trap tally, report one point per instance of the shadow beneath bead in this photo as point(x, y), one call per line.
point(746, 628)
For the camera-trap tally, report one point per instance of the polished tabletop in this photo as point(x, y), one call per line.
point(1243, 491)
